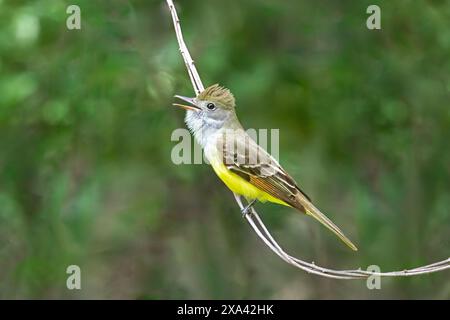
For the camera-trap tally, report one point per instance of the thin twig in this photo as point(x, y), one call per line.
point(192, 70)
point(257, 224)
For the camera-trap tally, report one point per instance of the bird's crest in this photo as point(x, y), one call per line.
point(216, 93)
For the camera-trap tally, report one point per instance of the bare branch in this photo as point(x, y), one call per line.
point(257, 224)
point(261, 230)
point(192, 70)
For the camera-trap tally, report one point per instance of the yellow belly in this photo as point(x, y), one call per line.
point(242, 187)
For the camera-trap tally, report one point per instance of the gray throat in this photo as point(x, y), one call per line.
point(204, 128)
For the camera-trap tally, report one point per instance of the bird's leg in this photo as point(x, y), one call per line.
point(246, 210)
point(238, 200)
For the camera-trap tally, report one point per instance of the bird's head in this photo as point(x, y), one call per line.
point(214, 105)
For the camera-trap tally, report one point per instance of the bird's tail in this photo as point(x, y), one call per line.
point(311, 210)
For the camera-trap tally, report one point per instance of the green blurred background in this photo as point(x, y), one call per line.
point(86, 176)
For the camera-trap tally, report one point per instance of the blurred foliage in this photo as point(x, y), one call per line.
point(85, 125)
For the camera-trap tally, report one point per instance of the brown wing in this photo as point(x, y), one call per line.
point(245, 157)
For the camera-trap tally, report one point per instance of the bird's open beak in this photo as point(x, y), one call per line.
point(190, 100)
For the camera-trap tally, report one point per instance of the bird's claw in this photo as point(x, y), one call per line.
point(247, 209)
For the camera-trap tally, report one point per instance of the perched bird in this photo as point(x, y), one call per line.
point(245, 168)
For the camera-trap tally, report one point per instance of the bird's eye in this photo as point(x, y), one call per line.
point(211, 106)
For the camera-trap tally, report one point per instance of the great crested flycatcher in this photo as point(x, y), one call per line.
point(245, 168)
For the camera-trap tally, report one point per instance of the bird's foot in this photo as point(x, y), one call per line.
point(247, 209)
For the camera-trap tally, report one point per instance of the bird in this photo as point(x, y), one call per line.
point(245, 167)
